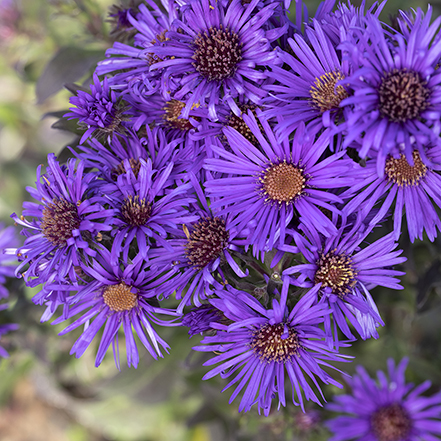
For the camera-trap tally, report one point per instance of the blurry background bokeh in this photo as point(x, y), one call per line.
point(45, 394)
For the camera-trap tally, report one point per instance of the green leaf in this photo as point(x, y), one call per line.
point(69, 64)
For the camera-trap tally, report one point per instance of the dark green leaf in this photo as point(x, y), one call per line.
point(68, 65)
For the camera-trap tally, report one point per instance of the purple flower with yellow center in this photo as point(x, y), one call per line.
point(345, 273)
point(395, 102)
point(265, 187)
point(261, 348)
point(415, 189)
point(388, 409)
point(66, 222)
point(201, 253)
point(118, 296)
point(100, 112)
point(146, 209)
point(311, 89)
point(214, 50)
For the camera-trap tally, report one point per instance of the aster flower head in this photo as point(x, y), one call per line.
point(130, 63)
point(100, 112)
point(213, 51)
point(388, 409)
point(265, 187)
point(117, 297)
point(395, 95)
point(65, 222)
point(201, 253)
point(345, 272)
point(312, 88)
point(147, 209)
point(261, 348)
point(413, 187)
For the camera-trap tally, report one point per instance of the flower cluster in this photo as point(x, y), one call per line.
point(238, 163)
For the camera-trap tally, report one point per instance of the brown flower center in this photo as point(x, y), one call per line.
point(135, 211)
point(237, 122)
point(400, 172)
point(120, 169)
point(60, 218)
point(217, 53)
point(282, 182)
point(325, 93)
point(337, 272)
point(391, 423)
point(403, 95)
point(120, 297)
point(172, 115)
point(206, 242)
point(275, 343)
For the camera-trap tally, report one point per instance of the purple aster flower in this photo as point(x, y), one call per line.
point(127, 62)
point(117, 297)
point(8, 262)
point(214, 50)
point(415, 188)
point(201, 253)
point(266, 187)
point(101, 112)
point(345, 272)
point(387, 409)
point(396, 95)
point(199, 319)
point(66, 222)
point(312, 88)
point(261, 347)
point(146, 209)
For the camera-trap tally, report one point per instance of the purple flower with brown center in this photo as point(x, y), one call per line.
point(395, 96)
point(265, 187)
point(147, 210)
point(346, 271)
point(65, 224)
point(262, 349)
point(201, 254)
point(214, 50)
point(386, 410)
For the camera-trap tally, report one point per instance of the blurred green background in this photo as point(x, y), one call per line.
point(45, 394)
